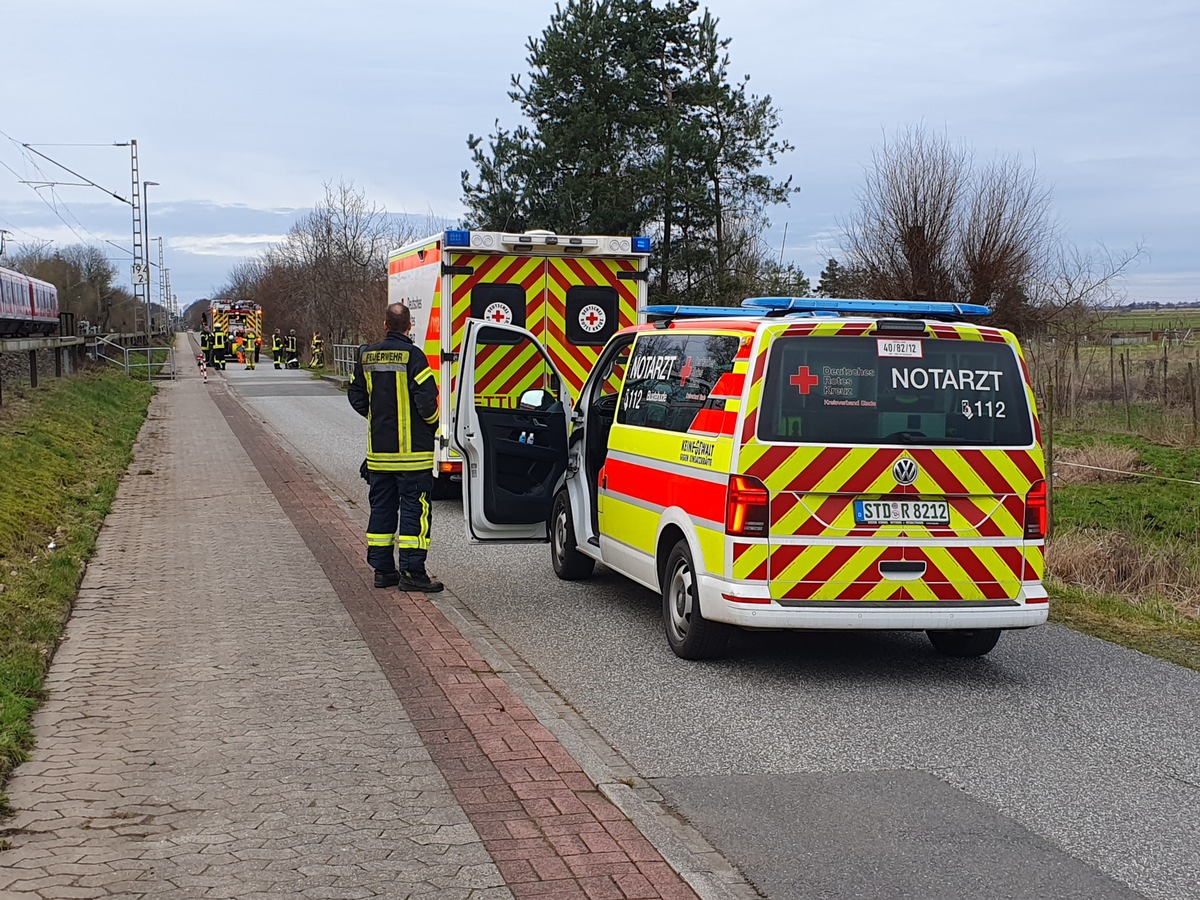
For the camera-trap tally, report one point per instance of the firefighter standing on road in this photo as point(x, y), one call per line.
point(218, 348)
point(206, 340)
point(394, 388)
point(318, 347)
point(250, 349)
point(293, 358)
point(277, 349)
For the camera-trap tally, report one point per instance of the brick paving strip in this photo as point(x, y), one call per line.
point(550, 830)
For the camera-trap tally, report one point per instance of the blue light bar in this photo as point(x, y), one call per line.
point(641, 245)
point(458, 237)
point(702, 312)
point(867, 307)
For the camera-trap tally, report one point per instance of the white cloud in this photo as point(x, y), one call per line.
point(232, 246)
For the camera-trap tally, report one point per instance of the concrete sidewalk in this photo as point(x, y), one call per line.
point(236, 712)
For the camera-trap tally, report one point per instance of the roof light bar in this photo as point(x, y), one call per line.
point(458, 237)
point(867, 307)
point(721, 312)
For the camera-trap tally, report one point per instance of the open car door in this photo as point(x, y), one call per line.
point(510, 425)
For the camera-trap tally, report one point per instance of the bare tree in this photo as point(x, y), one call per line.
point(930, 225)
point(1082, 290)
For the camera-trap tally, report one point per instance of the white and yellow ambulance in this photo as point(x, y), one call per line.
point(572, 292)
point(792, 464)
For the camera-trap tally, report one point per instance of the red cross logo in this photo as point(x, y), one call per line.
point(685, 371)
point(804, 380)
point(498, 316)
point(592, 318)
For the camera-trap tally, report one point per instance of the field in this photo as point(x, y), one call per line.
point(1141, 320)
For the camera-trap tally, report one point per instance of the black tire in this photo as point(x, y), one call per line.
point(689, 634)
point(964, 643)
point(569, 563)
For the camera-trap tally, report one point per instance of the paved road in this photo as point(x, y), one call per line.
point(840, 765)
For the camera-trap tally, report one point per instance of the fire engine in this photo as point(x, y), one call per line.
point(235, 317)
point(573, 292)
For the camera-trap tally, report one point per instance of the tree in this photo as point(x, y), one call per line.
point(840, 281)
point(632, 126)
point(931, 225)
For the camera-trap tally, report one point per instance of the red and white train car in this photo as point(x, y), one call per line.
point(27, 305)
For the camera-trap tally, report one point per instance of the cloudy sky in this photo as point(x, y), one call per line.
point(244, 109)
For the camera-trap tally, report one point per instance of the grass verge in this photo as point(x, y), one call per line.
point(63, 448)
point(1155, 628)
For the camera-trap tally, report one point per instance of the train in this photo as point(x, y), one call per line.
point(28, 306)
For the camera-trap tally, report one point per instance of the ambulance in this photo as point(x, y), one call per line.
point(794, 463)
point(572, 293)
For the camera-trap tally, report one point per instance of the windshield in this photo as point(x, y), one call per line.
point(873, 390)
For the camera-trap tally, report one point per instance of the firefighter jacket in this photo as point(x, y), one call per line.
point(218, 340)
point(394, 388)
point(276, 342)
point(205, 340)
point(291, 344)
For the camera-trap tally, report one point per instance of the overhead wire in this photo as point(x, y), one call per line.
point(25, 149)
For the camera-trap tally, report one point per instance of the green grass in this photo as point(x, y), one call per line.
point(1175, 318)
point(1157, 526)
point(63, 448)
point(1155, 628)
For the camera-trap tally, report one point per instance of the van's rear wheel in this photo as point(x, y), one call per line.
point(569, 563)
point(690, 635)
point(964, 643)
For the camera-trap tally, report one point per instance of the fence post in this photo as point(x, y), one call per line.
point(1112, 373)
point(1192, 391)
point(1125, 385)
point(1049, 457)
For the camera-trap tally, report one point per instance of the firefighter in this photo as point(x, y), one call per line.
point(318, 346)
point(291, 350)
point(206, 339)
point(250, 349)
point(394, 388)
point(218, 348)
point(257, 346)
point(277, 349)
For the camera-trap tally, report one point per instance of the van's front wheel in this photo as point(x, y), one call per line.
point(569, 563)
point(964, 643)
point(690, 635)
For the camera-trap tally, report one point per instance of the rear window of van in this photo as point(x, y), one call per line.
point(875, 390)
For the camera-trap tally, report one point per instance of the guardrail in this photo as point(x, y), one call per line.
point(344, 358)
point(157, 362)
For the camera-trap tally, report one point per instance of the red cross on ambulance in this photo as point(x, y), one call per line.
point(804, 380)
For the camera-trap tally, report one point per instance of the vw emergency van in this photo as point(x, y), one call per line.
point(791, 464)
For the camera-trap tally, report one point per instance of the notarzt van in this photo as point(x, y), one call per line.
point(795, 463)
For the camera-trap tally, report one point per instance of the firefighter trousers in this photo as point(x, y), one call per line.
point(277, 355)
point(400, 518)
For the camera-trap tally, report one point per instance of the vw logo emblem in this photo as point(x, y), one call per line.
point(904, 471)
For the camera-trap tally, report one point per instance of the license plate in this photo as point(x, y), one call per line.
point(901, 512)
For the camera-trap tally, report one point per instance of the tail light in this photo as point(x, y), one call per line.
point(1036, 512)
point(747, 507)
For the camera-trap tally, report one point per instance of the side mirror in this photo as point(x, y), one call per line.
point(535, 398)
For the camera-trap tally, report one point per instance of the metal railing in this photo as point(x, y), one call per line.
point(344, 358)
point(155, 362)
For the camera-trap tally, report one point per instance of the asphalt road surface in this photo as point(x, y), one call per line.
point(849, 765)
